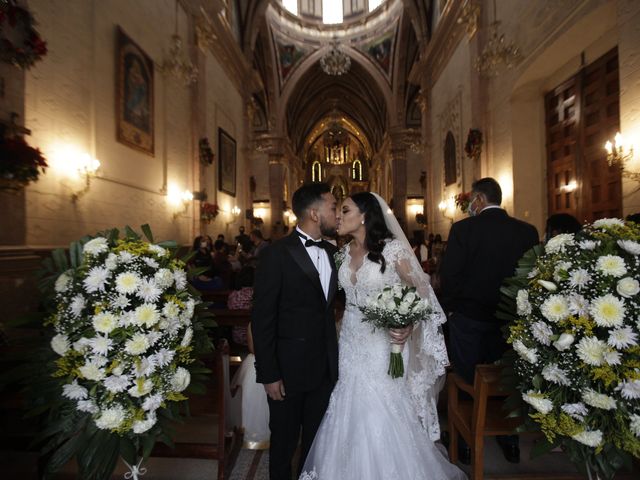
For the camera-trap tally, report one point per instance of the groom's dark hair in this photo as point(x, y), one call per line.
point(490, 188)
point(306, 196)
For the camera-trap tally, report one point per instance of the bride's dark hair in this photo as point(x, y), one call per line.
point(375, 226)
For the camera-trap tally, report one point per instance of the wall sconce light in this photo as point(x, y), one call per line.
point(620, 152)
point(290, 217)
point(235, 212)
point(448, 208)
point(572, 186)
point(87, 167)
point(178, 200)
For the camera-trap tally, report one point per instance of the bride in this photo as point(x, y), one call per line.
point(377, 427)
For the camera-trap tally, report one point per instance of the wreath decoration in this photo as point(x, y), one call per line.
point(28, 47)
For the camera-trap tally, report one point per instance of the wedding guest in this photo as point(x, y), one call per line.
point(241, 299)
point(481, 252)
point(561, 223)
point(634, 217)
point(203, 258)
point(243, 240)
point(221, 265)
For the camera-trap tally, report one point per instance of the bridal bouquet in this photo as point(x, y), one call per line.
point(576, 336)
point(396, 307)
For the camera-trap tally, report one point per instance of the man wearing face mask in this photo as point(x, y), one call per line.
point(481, 252)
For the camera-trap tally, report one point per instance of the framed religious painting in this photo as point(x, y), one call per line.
point(134, 95)
point(226, 163)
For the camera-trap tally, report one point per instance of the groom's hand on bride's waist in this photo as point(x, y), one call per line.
point(275, 390)
point(399, 335)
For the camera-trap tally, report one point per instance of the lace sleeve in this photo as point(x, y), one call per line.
point(427, 353)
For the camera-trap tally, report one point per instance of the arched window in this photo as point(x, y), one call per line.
point(450, 168)
point(316, 171)
point(356, 170)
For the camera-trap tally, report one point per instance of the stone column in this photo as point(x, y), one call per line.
point(276, 189)
point(399, 181)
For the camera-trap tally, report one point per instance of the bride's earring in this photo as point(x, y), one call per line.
point(362, 222)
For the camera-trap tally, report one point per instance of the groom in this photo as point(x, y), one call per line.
point(293, 327)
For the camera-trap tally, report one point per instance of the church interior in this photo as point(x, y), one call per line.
point(201, 117)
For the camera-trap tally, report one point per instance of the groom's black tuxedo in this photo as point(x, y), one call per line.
point(295, 341)
point(481, 252)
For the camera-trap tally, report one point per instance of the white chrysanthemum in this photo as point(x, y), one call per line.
point(151, 262)
point(188, 335)
point(146, 314)
point(96, 246)
point(629, 390)
point(547, 285)
point(116, 383)
point(630, 246)
point(522, 302)
point(579, 278)
point(564, 341)
point(127, 282)
point(141, 388)
point(607, 311)
point(561, 270)
point(60, 344)
point(145, 367)
point(158, 250)
point(120, 302)
point(152, 402)
point(528, 354)
point(153, 337)
point(73, 391)
point(92, 371)
point(171, 310)
point(77, 305)
point(88, 406)
point(100, 345)
point(125, 257)
point(172, 326)
point(141, 426)
point(542, 332)
point(189, 308)
point(81, 345)
point(598, 400)
point(611, 357)
point(555, 308)
point(538, 401)
point(180, 379)
point(164, 357)
point(111, 418)
point(635, 424)
point(104, 322)
point(558, 243)
point(575, 410)
point(622, 338)
point(148, 291)
point(628, 287)
point(589, 244)
point(611, 265)
point(180, 277)
point(111, 262)
point(589, 438)
point(608, 222)
point(553, 373)
point(164, 278)
point(578, 305)
point(99, 360)
point(591, 351)
point(96, 279)
point(137, 344)
point(62, 283)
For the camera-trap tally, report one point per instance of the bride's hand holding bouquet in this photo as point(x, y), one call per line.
point(395, 308)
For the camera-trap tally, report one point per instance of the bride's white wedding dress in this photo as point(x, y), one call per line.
point(377, 427)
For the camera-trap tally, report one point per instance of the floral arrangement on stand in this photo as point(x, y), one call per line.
point(473, 147)
point(462, 201)
point(20, 165)
point(209, 211)
point(127, 334)
point(574, 308)
point(18, 24)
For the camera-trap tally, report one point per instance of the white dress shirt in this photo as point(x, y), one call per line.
point(320, 259)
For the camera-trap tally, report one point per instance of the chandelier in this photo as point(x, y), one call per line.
point(497, 52)
point(177, 64)
point(335, 62)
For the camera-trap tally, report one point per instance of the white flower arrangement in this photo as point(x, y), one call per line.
point(576, 334)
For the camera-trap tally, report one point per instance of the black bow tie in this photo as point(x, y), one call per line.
point(309, 242)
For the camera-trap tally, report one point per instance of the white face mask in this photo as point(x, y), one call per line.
point(204, 245)
point(472, 212)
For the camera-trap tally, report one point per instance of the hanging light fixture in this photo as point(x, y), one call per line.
point(497, 52)
point(335, 62)
point(176, 63)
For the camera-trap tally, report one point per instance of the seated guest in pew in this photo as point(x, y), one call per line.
point(240, 299)
point(221, 264)
point(255, 409)
point(204, 259)
point(561, 223)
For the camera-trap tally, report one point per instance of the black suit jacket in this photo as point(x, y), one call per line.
point(481, 252)
point(293, 325)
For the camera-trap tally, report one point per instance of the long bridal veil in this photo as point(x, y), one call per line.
point(426, 351)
